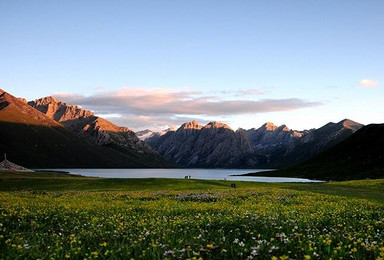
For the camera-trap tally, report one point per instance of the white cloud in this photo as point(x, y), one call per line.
point(245, 92)
point(140, 108)
point(368, 83)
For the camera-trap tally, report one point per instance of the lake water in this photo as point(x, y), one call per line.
point(203, 174)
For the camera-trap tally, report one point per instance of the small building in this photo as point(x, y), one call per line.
point(12, 167)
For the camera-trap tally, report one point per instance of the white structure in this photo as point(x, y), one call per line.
point(11, 167)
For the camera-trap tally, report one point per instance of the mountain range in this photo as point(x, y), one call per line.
point(49, 133)
point(269, 146)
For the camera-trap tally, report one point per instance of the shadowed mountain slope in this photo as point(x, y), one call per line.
point(212, 145)
point(270, 146)
point(359, 156)
point(99, 131)
point(34, 140)
point(303, 145)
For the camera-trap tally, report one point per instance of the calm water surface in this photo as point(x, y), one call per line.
point(203, 174)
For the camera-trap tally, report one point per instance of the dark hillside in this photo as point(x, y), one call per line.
point(360, 156)
point(33, 140)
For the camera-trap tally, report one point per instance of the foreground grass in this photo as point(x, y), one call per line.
point(75, 217)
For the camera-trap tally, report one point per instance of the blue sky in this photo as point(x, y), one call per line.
point(299, 63)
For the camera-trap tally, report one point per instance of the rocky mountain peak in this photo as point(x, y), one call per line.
point(169, 129)
point(47, 100)
point(191, 125)
point(269, 126)
point(215, 125)
point(59, 111)
point(16, 110)
point(350, 124)
point(146, 134)
point(284, 128)
point(5, 96)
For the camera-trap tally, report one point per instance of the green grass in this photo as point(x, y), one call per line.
point(51, 215)
point(363, 189)
point(372, 190)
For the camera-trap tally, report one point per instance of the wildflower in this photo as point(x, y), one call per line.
point(307, 257)
point(169, 253)
point(210, 246)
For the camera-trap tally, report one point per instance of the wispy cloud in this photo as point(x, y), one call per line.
point(243, 92)
point(368, 83)
point(139, 107)
point(252, 91)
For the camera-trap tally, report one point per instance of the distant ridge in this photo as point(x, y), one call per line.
point(359, 156)
point(269, 146)
point(305, 144)
point(146, 134)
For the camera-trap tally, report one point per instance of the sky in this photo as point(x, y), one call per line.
point(157, 64)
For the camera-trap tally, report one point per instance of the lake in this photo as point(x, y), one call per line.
point(203, 174)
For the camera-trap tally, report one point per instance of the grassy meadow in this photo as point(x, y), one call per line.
point(51, 215)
